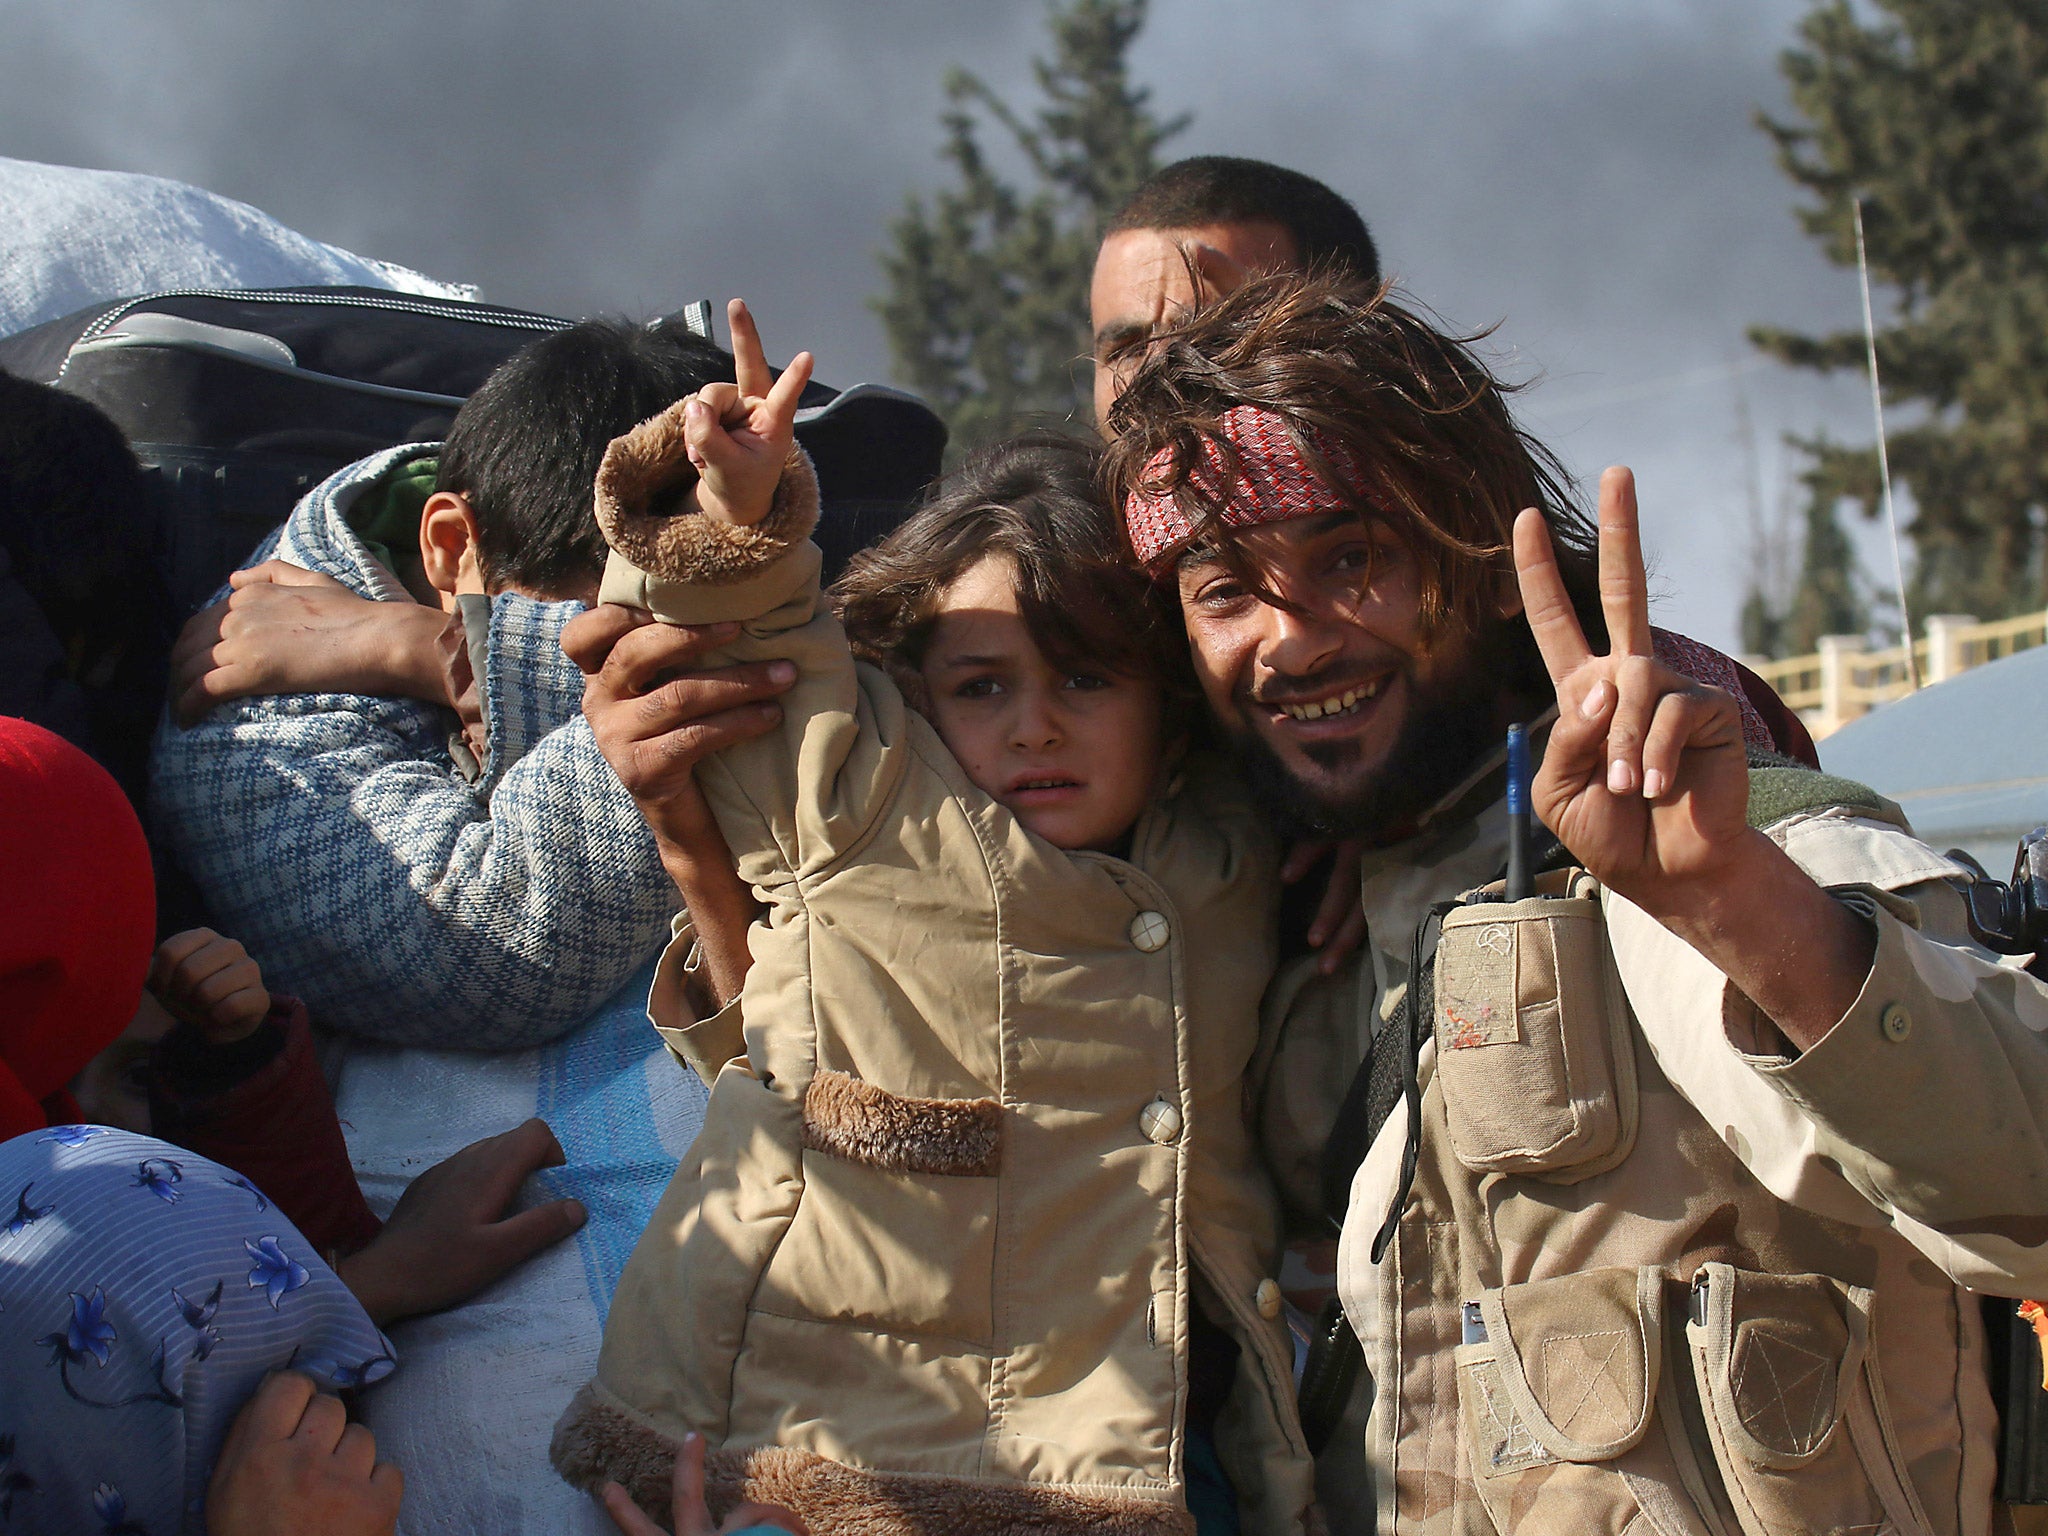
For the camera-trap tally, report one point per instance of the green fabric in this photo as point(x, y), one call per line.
point(386, 516)
point(1211, 1499)
point(1779, 790)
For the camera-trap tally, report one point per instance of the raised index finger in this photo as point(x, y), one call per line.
point(1545, 602)
point(749, 362)
point(1624, 589)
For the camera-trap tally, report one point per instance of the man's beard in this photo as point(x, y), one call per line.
point(1444, 736)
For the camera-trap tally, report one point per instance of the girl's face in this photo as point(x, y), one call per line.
point(1072, 755)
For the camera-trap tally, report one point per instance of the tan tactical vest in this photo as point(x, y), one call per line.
point(1598, 1320)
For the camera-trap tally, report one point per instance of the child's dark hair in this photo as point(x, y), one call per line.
point(1036, 500)
point(75, 519)
point(78, 533)
point(525, 447)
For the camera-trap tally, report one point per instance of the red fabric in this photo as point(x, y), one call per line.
point(1789, 735)
point(77, 921)
point(1704, 664)
point(1272, 483)
point(1766, 722)
point(277, 1128)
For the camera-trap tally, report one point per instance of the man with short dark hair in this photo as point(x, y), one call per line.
point(1207, 223)
point(520, 451)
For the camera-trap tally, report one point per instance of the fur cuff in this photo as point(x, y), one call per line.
point(838, 1500)
point(595, 1442)
point(855, 1120)
point(640, 493)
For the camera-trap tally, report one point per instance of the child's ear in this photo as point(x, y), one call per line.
point(448, 545)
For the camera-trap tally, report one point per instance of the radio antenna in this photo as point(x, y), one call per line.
point(1884, 462)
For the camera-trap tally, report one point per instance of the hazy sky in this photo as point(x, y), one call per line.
point(1584, 172)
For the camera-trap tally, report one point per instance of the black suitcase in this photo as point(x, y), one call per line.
point(239, 401)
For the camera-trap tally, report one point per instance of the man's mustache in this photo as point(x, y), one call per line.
point(1282, 688)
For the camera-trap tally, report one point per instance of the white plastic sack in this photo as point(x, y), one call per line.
point(478, 1389)
point(71, 237)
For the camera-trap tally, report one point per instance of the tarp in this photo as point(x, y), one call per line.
point(1967, 758)
point(72, 237)
point(479, 1387)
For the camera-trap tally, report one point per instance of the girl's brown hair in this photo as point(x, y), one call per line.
point(1036, 500)
point(1445, 466)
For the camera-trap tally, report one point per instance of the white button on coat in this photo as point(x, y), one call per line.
point(1160, 1121)
point(1267, 1299)
point(1149, 931)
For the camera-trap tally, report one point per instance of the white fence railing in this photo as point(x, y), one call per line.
point(1843, 680)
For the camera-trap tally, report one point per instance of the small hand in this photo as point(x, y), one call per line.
point(1645, 777)
point(293, 1462)
point(687, 1507)
point(1339, 923)
point(287, 630)
point(211, 983)
point(738, 435)
point(448, 1237)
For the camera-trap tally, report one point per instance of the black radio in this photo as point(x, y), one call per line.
point(2012, 919)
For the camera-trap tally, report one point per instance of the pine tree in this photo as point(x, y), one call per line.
point(987, 306)
point(1935, 113)
point(1829, 600)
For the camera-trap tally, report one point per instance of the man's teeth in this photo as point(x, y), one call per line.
point(1336, 704)
point(1046, 784)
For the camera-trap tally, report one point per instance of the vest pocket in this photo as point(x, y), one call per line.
point(1794, 1405)
point(1532, 1041)
point(1557, 1405)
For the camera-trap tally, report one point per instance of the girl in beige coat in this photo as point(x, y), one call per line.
point(977, 1186)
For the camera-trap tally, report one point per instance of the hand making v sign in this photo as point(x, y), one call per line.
point(739, 434)
point(1646, 780)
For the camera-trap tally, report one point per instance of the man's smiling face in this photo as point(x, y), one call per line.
point(1350, 716)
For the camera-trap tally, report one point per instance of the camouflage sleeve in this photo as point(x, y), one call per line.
point(1931, 1095)
point(1926, 1106)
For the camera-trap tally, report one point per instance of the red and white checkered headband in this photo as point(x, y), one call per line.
point(1273, 483)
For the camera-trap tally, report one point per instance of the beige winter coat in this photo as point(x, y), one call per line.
point(929, 1263)
point(1721, 1289)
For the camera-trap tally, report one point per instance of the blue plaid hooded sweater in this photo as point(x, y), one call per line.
point(334, 835)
